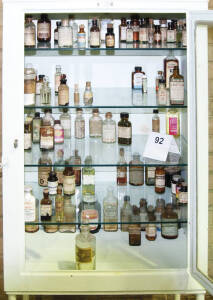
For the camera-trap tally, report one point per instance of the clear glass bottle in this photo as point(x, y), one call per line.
point(158, 78)
point(151, 30)
point(136, 170)
point(52, 183)
point(160, 180)
point(143, 217)
point(45, 92)
point(144, 83)
point(59, 205)
point(76, 95)
point(29, 85)
point(63, 93)
point(110, 211)
point(126, 214)
point(46, 136)
point(176, 87)
point(36, 125)
point(173, 123)
point(162, 95)
point(30, 211)
point(122, 30)
point(163, 30)
point(59, 166)
point(88, 177)
point(45, 167)
point(79, 124)
point(85, 249)
point(95, 124)
point(58, 24)
point(110, 37)
point(137, 78)
point(65, 34)
point(57, 78)
point(121, 169)
point(94, 35)
point(124, 130)
point(69, 181)
point(155, 121)
point(169, 230)
point(44, 29)
point(39, 84)
point(46, 207)
point(171, 33)
point(74, 26)
point(151, 230)
point(184, 36)
point(169, 63)
point(81, 37)
point(90, 212)
point(150, 175)
point(159, 210)
point(65, 119)
point(109, 129)
point(29, 32)
point(179, 33)
point(48, 116)
point(129, 33)
point(76, 160)
point(27, 136)
point(69, 216)
point(58, 133)
point(88, 94)
point(143, 32)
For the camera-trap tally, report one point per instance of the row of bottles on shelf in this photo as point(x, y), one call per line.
point(49, 132)
point(137, 30)
point(169, 79)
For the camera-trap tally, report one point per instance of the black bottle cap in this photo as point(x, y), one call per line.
point(37, 114)
point(139, 69)
point(124, 115)
point(58, 23)
point(162, 81)
point(52, 176)
point(155, 111)
point(63, 81)
point(41, 76)
point(126, 198)
point(44, 16)
point(48, 110)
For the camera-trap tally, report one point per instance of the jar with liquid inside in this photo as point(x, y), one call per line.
point(69, 181)
point(136, 171)
point(160, 180)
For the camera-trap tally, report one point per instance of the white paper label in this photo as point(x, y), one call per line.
point(52, 187)
point(123, 33)
point(124, 132)
point(176, 92)
point(46, 210)
point(29, 209)
point(95, 38)
point(88, 179)
point(137, 81)
point(169, 229)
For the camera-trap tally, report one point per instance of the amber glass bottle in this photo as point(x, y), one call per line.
point(151, 230)
point(94, 35)
point(121, 169)
point(46, 207)
point(160, 180)
point(124, 130)
point(44, 29)
point(169, 230)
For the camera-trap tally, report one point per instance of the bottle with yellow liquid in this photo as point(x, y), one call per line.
point(173, 123)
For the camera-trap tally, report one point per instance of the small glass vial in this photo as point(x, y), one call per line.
point(88, 177)
point(179, 33)
point(144, 83)
point(63, 93)
point(110, 211)
point(74, 26)
point(162, 95)
point(95, 124)
point(155, 121)
point(151, 230)
point(134, 235)
point(46, 136)
point(59, 205)
point(85, 249)
point(109, 129)
point(169, 230)
point(88, 94)
point(110, 37)
point(143, 32)
point(58, 132)
point(184, 36)
point(136, 170)
point(135, 29)
point(151, 30)
point(45, 92)
point(29, 85)
point(69, 216)
point(27, 136)
point(30, 211)
point(46, 207)
point(124, 130)
point(57, 78)
point(163, 30)
point(158, 78)
point(159, 180)
point(52, 183)
point(44, 29)
point(48, 116)
point(157, 35)
point(150, 175)
point(126, 214)
point(122, 169)
point(45, 167)
point(76, 95)
point(170, 33)
point(76, 160)
point(137, 78)
point(173, 123)
point(176, 87)
point(81, 37)
point(122, 30)
point(94, 35)
point(129, 33)
point(65, 34)
point(79, 124)
point(29, 32)
point(58, 24)
point(69, 181)
point(65, 119)
point(36, 127)
point(39, 84)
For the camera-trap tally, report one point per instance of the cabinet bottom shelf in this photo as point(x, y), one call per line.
point(56, 252)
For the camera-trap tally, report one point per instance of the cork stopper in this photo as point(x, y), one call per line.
point(108, 115)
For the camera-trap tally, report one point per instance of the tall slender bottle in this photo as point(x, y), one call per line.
point(110, 211)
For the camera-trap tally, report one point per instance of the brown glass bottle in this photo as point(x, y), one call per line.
point(94, 35)
point(176, 87)
point(46, 207)
point(157, 35)
point(159, 180)
point(110, 37)
point(135, 27)
point(44, 29)
point(76, 160)
point(121, 170)
point(58, 24)
point(124, 130)
point(169, 63)
point(169, 230)
point(151, 230)
point(122, 30)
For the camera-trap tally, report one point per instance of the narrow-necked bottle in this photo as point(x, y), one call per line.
point(109, 129)
point(79, 124)
point(81, 37)
point(143, 32)
point(176, 87)
point(160, 180)
point(65, 119)
point(30, 210)
point(45, 166)
point(122, 30)
point(155, 121)
point(44, 29)
point(52, 183)
point(94, 35)
point(36, 127)
point(69, 181)
point(63, 92)
point(59, 166)
point(95, 124)
point(121, 169)
point(46, 136)
point(45, 92)
point(46, 206)
point(124, 130)
point(126, 214)
point(48, 116)
point(58, 132)
point(88, 94)
point(59, 205)
point(76, 160)
point(58, 24)
point(88, 177)
point(57, 78)
point(110, 37)
point(129, 33)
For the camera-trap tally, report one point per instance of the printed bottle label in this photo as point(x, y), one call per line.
point(88, 179)
point(123, 33)
point(129, 35)
point(90, 215)
point(29, 36)
point(160, 181)
point(46, 210)
point(83, 255)
point(170, 36)
point(52, 187)
point(173, 126)
point(63, 97)
point(143, 35)
point(109, 133)
point(169, 70)
point(57, 81)
point(82, 40)
point(43, 30)
point(69, 184)
point(95, 38)
point(162, 97)
point(80, 129)
point(110, 41)
point(137, 81)
point(59, 136)
point(64, 36)
point(151, 230)
point(29, 209)
point(124, 132)
point(177, 92)
point(169, 229)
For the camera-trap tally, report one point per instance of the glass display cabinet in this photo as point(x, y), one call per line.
point(137, 246)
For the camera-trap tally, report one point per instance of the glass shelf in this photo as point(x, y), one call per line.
point(104, 155)
point(122, 49)
point(110, 98)
point(135, 193)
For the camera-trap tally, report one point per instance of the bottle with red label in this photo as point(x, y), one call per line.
point(58, 132)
